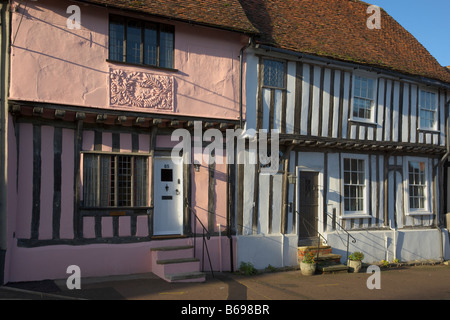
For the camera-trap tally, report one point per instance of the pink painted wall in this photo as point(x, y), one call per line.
point(51, 63)
point(50, 262)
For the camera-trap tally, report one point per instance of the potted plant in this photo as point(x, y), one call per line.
point(308, 264)
point(355, 261)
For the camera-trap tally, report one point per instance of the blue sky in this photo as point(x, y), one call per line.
point(427, 20)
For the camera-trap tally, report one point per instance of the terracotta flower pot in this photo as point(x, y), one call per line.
point(354, 265)
point(307, 269)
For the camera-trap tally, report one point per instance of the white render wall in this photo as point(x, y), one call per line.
point(404, 245)
point(262, 250)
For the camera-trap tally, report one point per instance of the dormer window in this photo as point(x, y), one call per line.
point(141, 42)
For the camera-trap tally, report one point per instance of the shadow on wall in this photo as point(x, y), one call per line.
point(385, 245)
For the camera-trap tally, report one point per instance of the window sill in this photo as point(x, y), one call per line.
point(419, 213)
point(428, 130)
point(363, 121)
point(141, 65)
point(355, 216)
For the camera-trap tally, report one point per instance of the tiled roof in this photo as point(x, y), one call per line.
point(335, 29)
point(338, 29)
point(225, 14)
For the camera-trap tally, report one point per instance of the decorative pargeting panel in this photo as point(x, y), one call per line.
point(140, 90)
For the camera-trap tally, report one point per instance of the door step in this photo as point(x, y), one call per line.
point(327, 262)
point(331, 268)
point(176, 264)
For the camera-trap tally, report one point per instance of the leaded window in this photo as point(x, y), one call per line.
point(141, 42)
point(115, 180)
point(274, 73)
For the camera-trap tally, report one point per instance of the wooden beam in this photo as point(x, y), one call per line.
point(60, 114)
point(38, 111)
point(121, 119)
point(101, 118)
point(156, 122)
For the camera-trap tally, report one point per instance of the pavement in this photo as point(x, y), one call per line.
point(424, 282)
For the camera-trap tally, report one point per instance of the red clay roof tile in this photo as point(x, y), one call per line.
point(329, 28)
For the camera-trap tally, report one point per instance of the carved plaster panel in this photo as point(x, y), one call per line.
point(141, 90)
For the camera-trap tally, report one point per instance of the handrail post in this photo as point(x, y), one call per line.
point(348, 240)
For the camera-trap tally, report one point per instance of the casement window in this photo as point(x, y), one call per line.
point(363, 98)
point(355, 182)
point(115, 180)
point(274, 73)
point(417, 185)
point(141, 42)
point(428, 110)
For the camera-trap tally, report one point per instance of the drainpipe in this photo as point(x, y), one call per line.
point(241, 125)
point(4, 81)
point(241, 80)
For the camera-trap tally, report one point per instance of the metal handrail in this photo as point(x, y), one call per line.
point(205, 244)
point(317, 231)
point(321, 236)
point(343, 229)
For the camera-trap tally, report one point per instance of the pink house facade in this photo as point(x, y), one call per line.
point(91, 113)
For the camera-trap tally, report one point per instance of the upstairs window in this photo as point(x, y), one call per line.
point(141, 42)
point(274, 73)
point(428, 110)
point(363, 98)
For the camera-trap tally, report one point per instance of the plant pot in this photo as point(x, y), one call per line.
point(307, 269)
point(354, 265)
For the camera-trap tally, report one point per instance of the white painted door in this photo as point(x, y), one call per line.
point(168, 195)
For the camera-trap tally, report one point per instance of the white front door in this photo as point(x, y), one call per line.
point(168, 195)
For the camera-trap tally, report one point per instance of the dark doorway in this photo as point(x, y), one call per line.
point(308, 208)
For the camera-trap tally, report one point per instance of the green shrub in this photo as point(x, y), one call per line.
point(247, 268)
point(356, 256)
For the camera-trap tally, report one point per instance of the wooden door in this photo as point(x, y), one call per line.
point(308, 207)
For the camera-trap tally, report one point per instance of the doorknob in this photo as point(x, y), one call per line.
point(177, 192)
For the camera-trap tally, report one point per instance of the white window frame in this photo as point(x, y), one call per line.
point(435, 127)
point(427, 210)
point(355, 214)
point(374, 99)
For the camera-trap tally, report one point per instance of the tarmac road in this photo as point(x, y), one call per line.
point(404, 283)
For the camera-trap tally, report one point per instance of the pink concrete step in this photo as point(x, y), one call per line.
point(176, 264)
point(175, 252)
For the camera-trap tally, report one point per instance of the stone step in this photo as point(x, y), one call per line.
point(313, 249)
point(328, 257)
point(331, 268)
